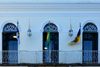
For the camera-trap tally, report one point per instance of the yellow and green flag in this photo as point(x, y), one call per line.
point(48, 37)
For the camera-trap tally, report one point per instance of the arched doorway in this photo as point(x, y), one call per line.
point(51, 53)
point(90, 43)
point(9, 44)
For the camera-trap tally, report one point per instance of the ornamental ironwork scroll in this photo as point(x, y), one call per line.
point(10, 28)
point(52, 27)
point(88, 36)
point(90, 27)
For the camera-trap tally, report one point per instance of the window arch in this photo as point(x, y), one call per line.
point(54, 44)
point(52, 26)
point(9, 43)
point(90, 27)
point(10, 28)
point(90, 43)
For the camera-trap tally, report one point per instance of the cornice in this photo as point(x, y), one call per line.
point(24, 7)
point(58, 14)
point(50, 1)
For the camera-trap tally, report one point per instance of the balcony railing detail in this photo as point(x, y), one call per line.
point(49, 56)
point(90, 57)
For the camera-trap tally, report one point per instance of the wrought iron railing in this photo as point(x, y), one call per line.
point(90, 57)
point(9, 57)
point(49, 56)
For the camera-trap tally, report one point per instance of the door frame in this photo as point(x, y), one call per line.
point(6, 51)
point(48, 50)
point(92, 45)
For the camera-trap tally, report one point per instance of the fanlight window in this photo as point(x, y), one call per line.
point(52, 27)
point(90, 27)
point(10, 28)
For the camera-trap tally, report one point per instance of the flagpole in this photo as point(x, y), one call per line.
point(80, 25)
point(17, 36)
point(17, 22)
point(29, 23)
point(81, 37)
point(70, 24)
point(49, 30)
point(49, 42)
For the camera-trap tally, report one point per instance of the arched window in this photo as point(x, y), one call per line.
point(90, 27)
point(52, 27)
point(90, 43)
point(51, 54)
point(10, 28)
point(9, 44)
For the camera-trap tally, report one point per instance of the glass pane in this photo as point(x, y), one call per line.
point(13, 54)
point(48, 52)
point(51, 53)
point(87, 45)
point(10, 28)
point(13, 45)
point(52, 27)
point(90, 27)
point(88, 51)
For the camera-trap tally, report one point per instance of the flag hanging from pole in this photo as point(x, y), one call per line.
point(77, 38)
point(48, 37)
point(17, 34)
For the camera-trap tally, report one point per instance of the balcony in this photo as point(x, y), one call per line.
point(49, 58)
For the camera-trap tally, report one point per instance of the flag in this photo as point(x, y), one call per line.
point(48, 37)
point(17, 34)
point(77, 38)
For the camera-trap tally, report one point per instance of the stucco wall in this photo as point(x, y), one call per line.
point(61, 14)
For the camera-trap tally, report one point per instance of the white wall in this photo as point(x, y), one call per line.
point(34, 43)
point(39, 13)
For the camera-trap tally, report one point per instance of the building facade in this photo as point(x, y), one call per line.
point(58, 16)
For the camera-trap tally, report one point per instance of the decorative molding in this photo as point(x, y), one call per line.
point(16, 14)
point(90, 21)
point(63, 31)
point(39, 31)
point(42, 28)
point(24, 7)
point(9, 21)
point(50, 1)
point(23, 31)
point(67, 31)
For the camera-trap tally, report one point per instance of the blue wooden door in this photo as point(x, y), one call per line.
point(90, 47)
point(13, 52)
point(10, 48)
point(87, 51)
point(51, 54)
